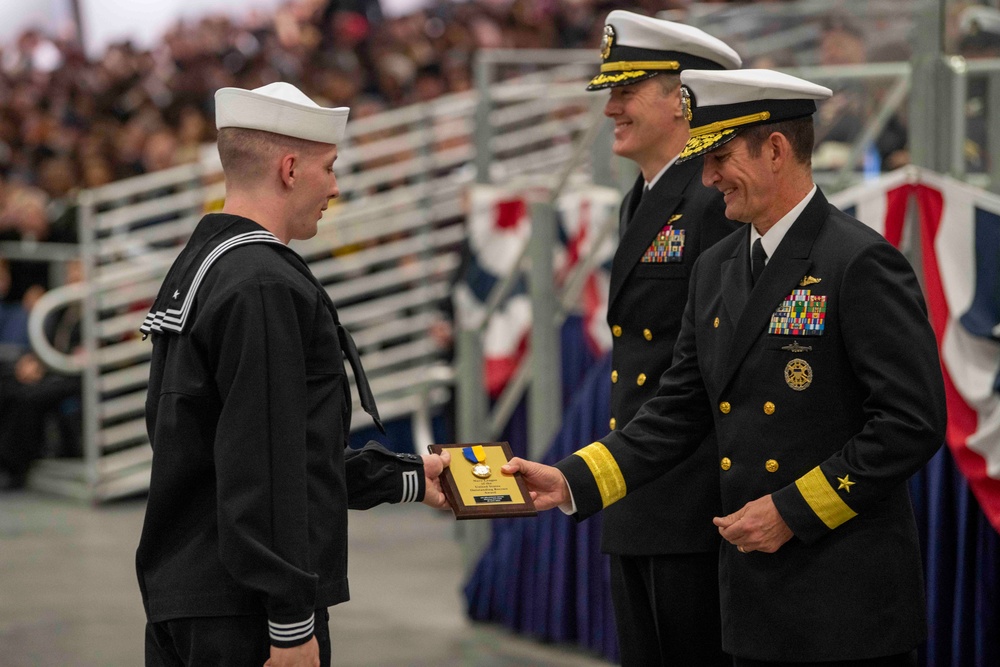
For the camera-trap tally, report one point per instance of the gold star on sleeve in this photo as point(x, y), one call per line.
point(845, 483)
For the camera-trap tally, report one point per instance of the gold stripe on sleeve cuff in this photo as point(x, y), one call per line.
point(606, 472)
point(823, 499)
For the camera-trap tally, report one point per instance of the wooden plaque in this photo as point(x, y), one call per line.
point(473, 496)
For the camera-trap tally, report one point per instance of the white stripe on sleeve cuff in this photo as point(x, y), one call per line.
point(411, 487)
point(290, 632)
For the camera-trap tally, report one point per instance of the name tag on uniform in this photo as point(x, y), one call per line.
point(668, 245)
point(800, 314)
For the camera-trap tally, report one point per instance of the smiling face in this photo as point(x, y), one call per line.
point(647, 122)
point(745, 181)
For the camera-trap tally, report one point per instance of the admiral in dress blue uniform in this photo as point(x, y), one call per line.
point(663, 546)
point(809, 351)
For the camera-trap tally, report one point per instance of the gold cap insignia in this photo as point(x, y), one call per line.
point(809, 280)
point(686, 104)
point(607, 41)
point(798, 374)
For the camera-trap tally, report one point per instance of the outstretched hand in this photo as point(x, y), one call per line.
point(434, 465)
point(304, 655)
point(546, 484)
point(757, 526)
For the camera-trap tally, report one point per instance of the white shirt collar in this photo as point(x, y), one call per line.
point(772, 238)
point(650, 184)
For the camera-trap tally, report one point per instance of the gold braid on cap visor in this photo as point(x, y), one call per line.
point(629, 65)
point(719, 126)
point(707, 137)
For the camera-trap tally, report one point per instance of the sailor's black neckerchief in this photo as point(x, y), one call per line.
point(211, 240)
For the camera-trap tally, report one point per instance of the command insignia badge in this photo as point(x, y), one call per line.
point(798, 374)
point(795, 347)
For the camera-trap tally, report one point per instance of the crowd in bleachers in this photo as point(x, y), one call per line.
point(67, 121)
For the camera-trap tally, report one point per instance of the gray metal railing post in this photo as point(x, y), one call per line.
point(928, 144)
point(601, 156)
point(472, 409)
point(545, 395)
point(471, 401)
point(993, 133)
point(87, 233)
point(483, 129)
point(958, 92)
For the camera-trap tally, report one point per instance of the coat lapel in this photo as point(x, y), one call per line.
point(791, 261)
point(736, 277)
point(652, 213)
point(629, 205)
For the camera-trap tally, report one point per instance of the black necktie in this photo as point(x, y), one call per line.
point(757, 259)
point(633, 206)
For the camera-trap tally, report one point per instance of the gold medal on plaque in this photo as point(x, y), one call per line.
point(476, 485)
point(476, 455)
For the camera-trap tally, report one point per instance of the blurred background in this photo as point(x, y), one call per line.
point(469, 254)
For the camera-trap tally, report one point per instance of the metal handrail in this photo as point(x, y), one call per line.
point(52, 301)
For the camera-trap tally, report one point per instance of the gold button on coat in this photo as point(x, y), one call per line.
point(725, 464)
point(716, 323)
point(614, 376)
point(769, 408)
point(771, 465)
point(724, 407)
point(612, 423)
point(641, 380)
point(647, 334)
point(616, 330)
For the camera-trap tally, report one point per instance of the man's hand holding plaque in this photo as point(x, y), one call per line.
point(475, 485)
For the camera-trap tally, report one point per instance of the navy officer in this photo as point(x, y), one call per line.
point(806, 344)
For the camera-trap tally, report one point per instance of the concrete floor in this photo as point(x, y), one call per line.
point(68, 595)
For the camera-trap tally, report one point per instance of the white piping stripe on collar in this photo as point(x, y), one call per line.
point(174, 319)
point(411, 487)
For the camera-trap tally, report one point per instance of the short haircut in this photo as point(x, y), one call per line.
point(669, 81)
point(798, 131)
point(246, 154)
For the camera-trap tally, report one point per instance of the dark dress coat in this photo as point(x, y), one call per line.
point(831, 416)
point(648, 291)
point(248, 413)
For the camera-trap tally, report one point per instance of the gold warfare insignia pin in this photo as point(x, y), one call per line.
point(795, 347)
point(607, 41)
point(809, 280)
point(798, 374)
point(675, 217)
point(845, 483)
point(686, 104)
